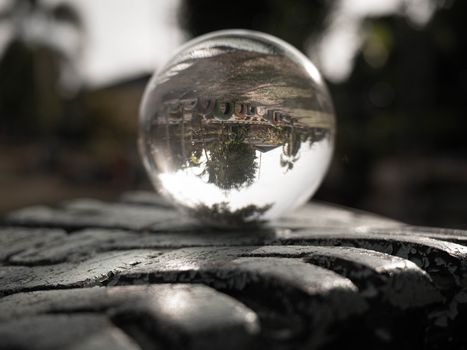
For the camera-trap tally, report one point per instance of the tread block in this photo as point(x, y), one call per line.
point(445, 234)
point(223, 268)
point(445, 262)
point(379, 276)
point(320, 215)
point(85, 213)
point(95, 271)
point(74, 247)
point(14, 240)
point(188, 316)
point(57, 332)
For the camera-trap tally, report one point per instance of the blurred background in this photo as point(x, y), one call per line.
point(72, 74)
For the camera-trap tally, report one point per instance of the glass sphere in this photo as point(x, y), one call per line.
point(237, 128)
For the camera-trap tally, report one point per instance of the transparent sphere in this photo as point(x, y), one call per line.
point(238, 128)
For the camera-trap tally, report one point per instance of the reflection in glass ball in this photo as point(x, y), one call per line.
point(237, 128)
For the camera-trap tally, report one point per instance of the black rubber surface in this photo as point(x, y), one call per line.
point(136, 274)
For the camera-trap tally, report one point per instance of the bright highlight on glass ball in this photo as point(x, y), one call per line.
point(238, 128)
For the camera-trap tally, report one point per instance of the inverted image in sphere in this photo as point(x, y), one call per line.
point(238, 128)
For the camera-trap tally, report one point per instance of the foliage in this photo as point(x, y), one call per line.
point(231, 164)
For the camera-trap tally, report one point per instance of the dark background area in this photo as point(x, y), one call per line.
point(401, 147)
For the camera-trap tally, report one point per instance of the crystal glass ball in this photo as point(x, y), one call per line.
point(237, 128)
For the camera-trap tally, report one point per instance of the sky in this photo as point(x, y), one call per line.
point(291, 188)
point(127, 36)
point(124, 38)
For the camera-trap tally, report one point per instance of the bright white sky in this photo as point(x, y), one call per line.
point(126, 37)
point(291, 188)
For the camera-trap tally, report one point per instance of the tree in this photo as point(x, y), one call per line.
point(232, 162)
point(37, 66)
